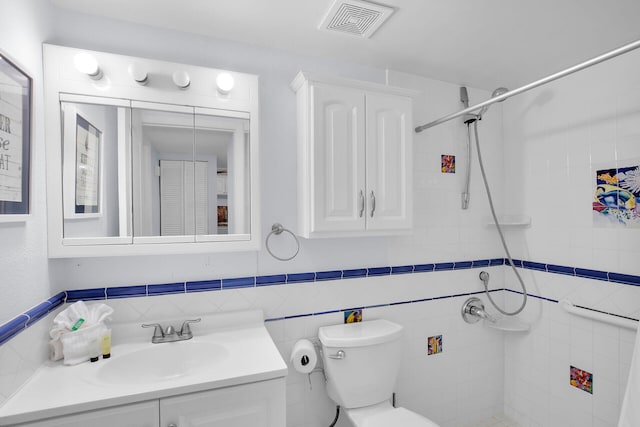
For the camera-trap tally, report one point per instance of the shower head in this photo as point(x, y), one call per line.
point(499, 91)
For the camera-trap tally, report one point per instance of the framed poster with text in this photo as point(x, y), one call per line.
point(88, 142)
point(15, 138)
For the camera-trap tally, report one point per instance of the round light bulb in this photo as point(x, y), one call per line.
point(87, 64)
point(225, 83)
point(181, 79)
point(139, 73)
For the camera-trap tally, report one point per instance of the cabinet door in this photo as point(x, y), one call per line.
point(389, 162)
point(259, 404)
point(337, 159)
point(144, 414)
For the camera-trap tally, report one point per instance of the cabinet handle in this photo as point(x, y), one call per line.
point(373, 203)
point(172, 425)
point(361, 203)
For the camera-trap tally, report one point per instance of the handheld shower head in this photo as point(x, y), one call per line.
point(499, 91)
point(464, 98)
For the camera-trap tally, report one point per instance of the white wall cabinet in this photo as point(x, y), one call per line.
point(260, 404)
point(354, 158)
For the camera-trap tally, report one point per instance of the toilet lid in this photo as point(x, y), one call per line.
point(398, 417)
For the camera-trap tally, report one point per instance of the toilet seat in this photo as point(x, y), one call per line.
point(385, 415)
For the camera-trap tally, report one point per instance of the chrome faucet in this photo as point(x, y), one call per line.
point(169, 334)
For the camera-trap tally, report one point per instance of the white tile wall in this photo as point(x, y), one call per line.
point(553, 137)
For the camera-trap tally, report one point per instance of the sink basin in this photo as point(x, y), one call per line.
point(160, 362)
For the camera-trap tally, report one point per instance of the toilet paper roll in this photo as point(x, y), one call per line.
point(304, 357)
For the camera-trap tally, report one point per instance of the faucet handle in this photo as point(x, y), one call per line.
point(186, 329)
point(157, 332)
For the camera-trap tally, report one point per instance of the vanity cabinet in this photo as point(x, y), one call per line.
point(257, 405)
point(144, 414)
point(354, 158)
point(260, 404)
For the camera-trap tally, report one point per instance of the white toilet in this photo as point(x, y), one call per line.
point(361, 363)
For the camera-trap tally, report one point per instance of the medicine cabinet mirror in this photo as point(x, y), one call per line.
point(148, 169)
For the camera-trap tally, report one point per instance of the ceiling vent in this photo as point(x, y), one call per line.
point(356, 17)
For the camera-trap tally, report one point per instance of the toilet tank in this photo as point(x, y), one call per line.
point(367, 373)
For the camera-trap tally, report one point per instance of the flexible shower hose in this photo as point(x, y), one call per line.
point(504, 243)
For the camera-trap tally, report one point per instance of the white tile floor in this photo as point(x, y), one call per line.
point(498, 421)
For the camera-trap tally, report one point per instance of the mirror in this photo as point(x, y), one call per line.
point(94, 176)
point(147, 166)
point(190, 174)
point(154, 173)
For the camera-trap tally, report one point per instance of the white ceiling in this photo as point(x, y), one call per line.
point(481, 43)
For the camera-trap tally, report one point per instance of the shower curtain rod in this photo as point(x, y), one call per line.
point(586, 64)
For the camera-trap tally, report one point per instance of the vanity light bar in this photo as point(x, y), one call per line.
point(87, 64)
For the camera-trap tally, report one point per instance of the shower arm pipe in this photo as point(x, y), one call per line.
point(586, 64)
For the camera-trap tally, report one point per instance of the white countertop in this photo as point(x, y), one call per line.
point(57, 389)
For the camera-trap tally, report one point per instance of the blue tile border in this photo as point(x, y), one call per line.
point(86, 294)
point(13, 327)
point(238, 282)
point(352, 274)
point(204, 285)
point(166, 289)
point(275, 279)
point(23, 321)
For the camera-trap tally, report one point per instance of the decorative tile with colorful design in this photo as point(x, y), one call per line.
point(352, 316)
point(435, 345)
point(581, 379)
point(616, 199)
point(448, 163)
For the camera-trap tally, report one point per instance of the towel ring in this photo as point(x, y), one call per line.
point(277, 229)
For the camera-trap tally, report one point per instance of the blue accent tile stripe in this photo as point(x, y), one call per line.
point(204, 285)
point(127, 291)
point(402, 269)
point(166, 289)
point(592, 274)
point(276, 279)
point(462, 265)
point(561, 269)
point(444, 266)
point(86, 294)
point(301, 277)
point(350, 274)
point(480, 263)
point(38, 312)
point(13, 327)
point(24, 320)
point(328, 275)
point(238, 282)
point(420, 268)
point(379, 271)
point(625, 279)
point(534, 266)
point(57, 300)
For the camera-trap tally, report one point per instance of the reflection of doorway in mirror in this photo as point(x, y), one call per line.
point(183, 198)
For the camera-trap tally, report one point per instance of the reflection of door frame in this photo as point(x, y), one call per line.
point(183, 197)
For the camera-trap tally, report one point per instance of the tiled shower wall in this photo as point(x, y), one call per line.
point(554, 138)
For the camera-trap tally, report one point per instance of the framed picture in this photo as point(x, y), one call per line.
point(15, 138)
point(87, 185)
